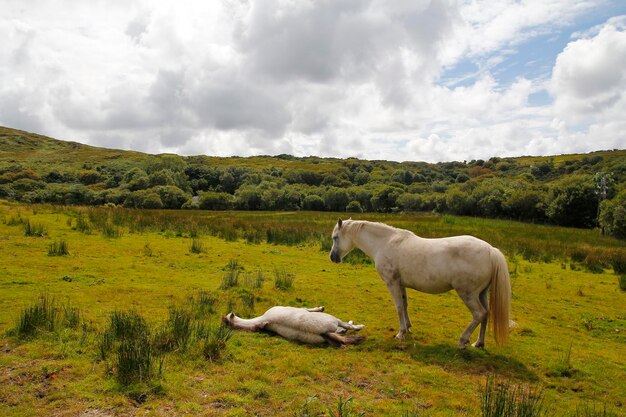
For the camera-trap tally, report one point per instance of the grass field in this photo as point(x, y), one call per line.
point(569, 343)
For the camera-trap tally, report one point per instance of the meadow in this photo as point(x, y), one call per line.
point(73, 277)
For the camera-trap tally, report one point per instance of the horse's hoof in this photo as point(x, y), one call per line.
point(399, 336)
point(478, 345)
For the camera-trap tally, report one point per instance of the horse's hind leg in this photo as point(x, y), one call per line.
point(344, 327)
point(479, 313)
point(483, 324)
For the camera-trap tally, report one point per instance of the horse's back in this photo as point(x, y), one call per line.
point(439, 265)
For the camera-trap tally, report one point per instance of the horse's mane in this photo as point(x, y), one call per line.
point(356, 225)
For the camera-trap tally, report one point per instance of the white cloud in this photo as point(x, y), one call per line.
point(589, 77)
point(350, 78)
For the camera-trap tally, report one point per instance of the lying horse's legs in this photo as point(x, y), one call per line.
point(344, 327)
point(483, 324)
point(479, 313)
point(336, 340)
point(315, 309)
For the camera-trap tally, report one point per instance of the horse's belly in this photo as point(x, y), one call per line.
point(428, 286)
point(298, 335)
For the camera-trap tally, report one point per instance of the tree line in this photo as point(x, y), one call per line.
point(583, 192)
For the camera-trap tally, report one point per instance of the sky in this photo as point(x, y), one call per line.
point(411, 80)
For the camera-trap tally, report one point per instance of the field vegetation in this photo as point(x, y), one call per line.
point(569, 190)
point(126, 319)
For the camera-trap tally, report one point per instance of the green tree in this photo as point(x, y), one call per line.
point(136, 179)
point(573, 202)
point(612, 217)
point(212, 200)
point(313, 202)
point(336, 199)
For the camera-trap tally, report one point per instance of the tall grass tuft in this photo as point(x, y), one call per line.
point(14, 221)
point(196, 246)
point(59, 248)
point(71, 316)
point(622, 282)
point(283, 280)
point(254, 280)
point(111, 231)
point(175, 334)
point(129, 337)
point(231, 275)
point(42, 315)
point(82, 225)
point(215, 340)
point(506, 400)
point(34, 229)
point(592, 411)
point(343, 409)
point(204, 304)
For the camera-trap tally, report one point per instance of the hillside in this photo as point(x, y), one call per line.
point(564, 190)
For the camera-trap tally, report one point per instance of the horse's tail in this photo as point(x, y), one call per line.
point(500, 297)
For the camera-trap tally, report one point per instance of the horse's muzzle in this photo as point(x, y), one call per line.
point(334, 256)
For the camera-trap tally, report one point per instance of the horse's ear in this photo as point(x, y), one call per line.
point(339, 223)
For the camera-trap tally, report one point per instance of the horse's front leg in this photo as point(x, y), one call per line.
point(405, 309)
point(399, 296)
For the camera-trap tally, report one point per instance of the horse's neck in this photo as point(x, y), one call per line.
point(370, 237)
point(248, 324)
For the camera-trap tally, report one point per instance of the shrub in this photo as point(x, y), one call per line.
point(622, 282)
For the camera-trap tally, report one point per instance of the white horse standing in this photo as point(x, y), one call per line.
point(464, 263)
point(306, 325)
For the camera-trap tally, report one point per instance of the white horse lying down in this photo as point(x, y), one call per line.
point(306, 325)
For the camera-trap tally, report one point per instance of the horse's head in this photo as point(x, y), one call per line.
point(229, 319)
point(342, 241)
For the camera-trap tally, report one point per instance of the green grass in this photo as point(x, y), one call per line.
point(239, 373)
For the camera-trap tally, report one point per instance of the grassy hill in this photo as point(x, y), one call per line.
point(564, 189)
